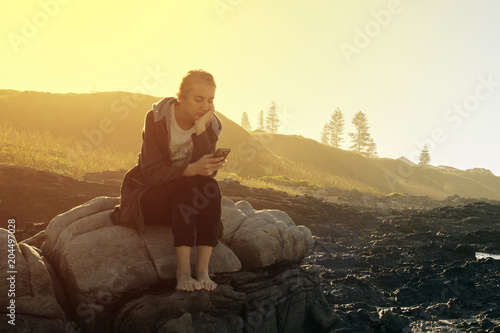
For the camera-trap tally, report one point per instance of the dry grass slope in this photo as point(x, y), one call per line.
point(73, 134)
point(43, 150)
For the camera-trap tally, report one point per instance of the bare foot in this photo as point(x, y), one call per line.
point(186, 283)
point(205, 281)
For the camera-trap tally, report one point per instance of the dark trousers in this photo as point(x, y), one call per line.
point(192, 205)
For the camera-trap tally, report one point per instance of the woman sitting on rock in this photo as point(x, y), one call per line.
point(173, 181)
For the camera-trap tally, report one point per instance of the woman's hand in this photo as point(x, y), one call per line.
point(205, 166)
point(202, 122)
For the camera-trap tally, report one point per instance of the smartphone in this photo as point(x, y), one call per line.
point(222, 152)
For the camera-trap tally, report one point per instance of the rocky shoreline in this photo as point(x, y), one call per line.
point(400, 270)
point(377, 264)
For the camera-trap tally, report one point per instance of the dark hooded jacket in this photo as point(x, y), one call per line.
point(154, 166)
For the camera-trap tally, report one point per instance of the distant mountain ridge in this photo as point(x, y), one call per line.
point(114, 120)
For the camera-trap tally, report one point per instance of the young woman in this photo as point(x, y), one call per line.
point(173, 181)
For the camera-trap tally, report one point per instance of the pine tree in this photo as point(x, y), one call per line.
point(362, 142)
point(245, 122)
point(333, 130)
point(272, 120)
point(261, 120)
point(372, 148)
point(336, 128)
point(325, 134)
point(425, 156)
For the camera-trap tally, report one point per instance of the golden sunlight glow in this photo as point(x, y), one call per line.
point(309, 57)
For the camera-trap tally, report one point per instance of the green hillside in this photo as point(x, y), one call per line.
point(100, 123)
point(346, 166)
point(77, 133)
point(111, 119)
point(383, 174)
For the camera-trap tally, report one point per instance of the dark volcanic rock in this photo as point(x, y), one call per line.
point(33, 197)
point(406, 265)
point(420, 261)
point(279, 299)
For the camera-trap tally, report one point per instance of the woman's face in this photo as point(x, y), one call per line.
point(198, 100)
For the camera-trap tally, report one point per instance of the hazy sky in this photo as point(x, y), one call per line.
point(422, 71)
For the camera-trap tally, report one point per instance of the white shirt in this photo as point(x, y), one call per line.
point(181, 144)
